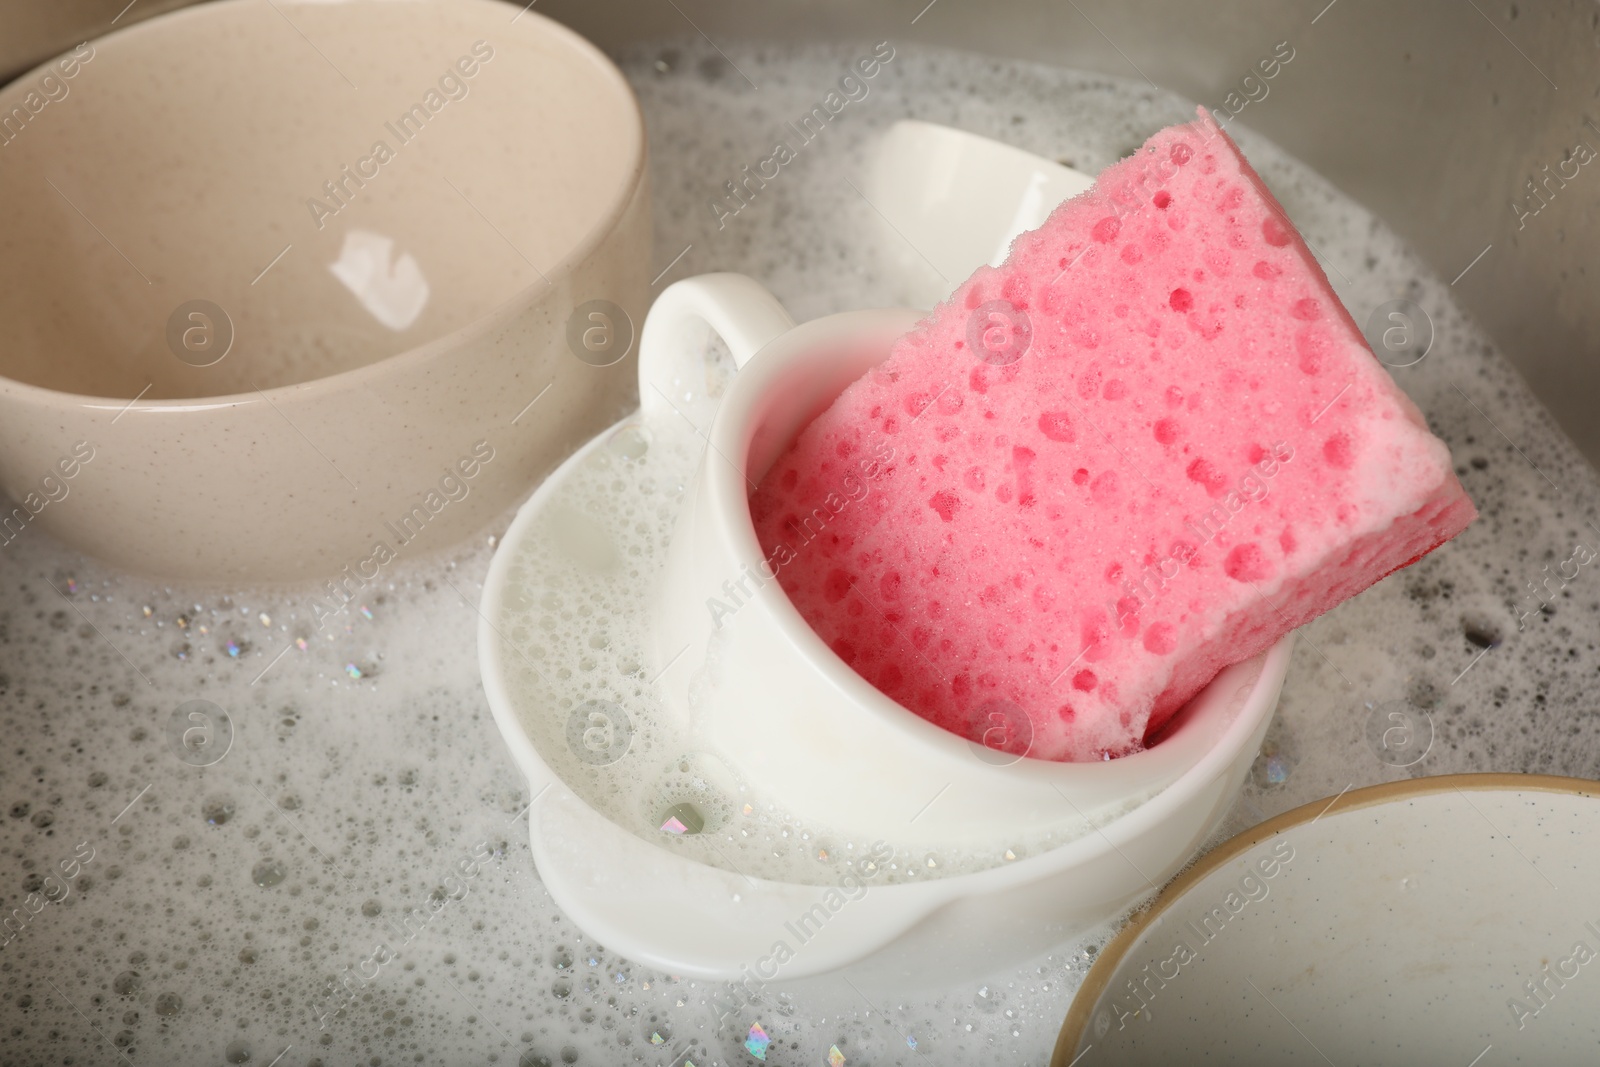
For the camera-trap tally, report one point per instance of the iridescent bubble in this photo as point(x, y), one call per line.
point(1275, 763)
point(217, 810)
point(756, 1041)
point(657, 1029)
point(681, 819)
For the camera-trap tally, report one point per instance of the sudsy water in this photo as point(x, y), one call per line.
point(358, 795)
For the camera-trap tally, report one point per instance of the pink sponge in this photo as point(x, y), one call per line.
point(1143, 449)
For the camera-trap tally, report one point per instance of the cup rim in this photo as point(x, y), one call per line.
point(15, 389)
point(732, 434)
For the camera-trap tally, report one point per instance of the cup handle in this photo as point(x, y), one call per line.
point(737, 307)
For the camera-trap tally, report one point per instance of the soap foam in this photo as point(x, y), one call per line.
point(386, 781)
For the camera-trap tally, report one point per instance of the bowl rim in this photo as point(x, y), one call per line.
point(1095, 983)
point(606, 223)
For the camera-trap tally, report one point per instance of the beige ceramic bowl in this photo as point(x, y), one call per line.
point(281, 281)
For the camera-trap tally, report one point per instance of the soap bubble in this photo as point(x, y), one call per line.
point(1400, 333)
point(630, 442)
point(987, 999)
point(217, 810)
point(1276, 761)
point(268, 873)
point(682, 818)
point(1399, 733)
point(657, 1029)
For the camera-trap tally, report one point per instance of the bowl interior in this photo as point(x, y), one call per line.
point(344, 181)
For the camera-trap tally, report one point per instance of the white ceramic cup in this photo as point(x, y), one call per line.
point(768, 696)
point(280, 345)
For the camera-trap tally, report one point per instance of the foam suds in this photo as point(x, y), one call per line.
point(239, 888)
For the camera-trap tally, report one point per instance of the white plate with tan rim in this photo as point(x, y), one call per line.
point(1450, 920)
